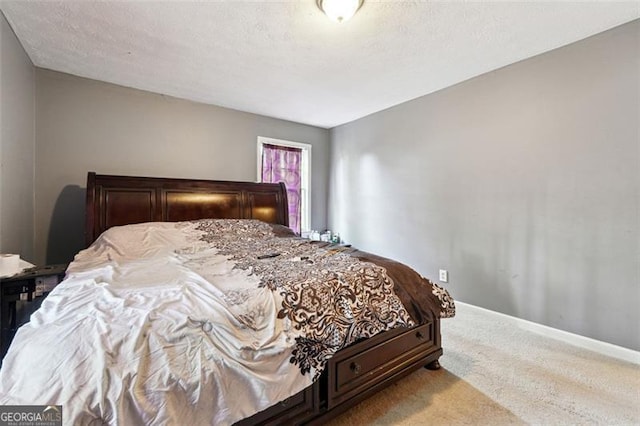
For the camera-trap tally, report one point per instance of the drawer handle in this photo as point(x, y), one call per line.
point(419, 335)
point(355, 368)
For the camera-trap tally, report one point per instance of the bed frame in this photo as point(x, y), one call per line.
point(124, 200)
point(353, 374)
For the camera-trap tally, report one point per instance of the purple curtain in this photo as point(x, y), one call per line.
point(283, 164)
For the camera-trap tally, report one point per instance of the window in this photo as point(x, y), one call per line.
point(288, 162)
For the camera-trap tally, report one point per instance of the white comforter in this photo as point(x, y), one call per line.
point(154, 325)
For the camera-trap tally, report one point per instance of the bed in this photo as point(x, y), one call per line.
point(326, 380)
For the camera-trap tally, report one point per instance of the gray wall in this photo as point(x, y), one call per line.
point(17, 145)
point(84, 125)
point(523, 183)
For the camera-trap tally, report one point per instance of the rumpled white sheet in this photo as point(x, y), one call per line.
point(142, 331)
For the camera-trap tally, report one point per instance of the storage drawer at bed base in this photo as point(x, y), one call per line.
point(292, 410)
point(354, 372)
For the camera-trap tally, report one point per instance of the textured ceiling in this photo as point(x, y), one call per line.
point(285, 59)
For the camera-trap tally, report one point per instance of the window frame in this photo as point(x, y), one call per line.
point(305, 178)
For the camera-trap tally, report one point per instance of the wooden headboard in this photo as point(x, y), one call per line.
point(123, 200)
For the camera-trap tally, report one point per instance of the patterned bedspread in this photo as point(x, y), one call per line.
point(203, 322)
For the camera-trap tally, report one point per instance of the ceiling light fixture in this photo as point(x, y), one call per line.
point(339, 10)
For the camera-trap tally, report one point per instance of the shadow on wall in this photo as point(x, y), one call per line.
point(66, 231)
point(487, 285)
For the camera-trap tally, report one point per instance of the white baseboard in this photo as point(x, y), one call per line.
point(583, 342)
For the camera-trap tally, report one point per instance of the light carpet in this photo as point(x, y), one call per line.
point(494, 372)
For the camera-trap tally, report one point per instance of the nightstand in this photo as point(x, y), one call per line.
point(27, 289)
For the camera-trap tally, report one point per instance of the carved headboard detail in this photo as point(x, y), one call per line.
point(122, 200)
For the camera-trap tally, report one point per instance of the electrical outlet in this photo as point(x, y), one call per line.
point(444, 275)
